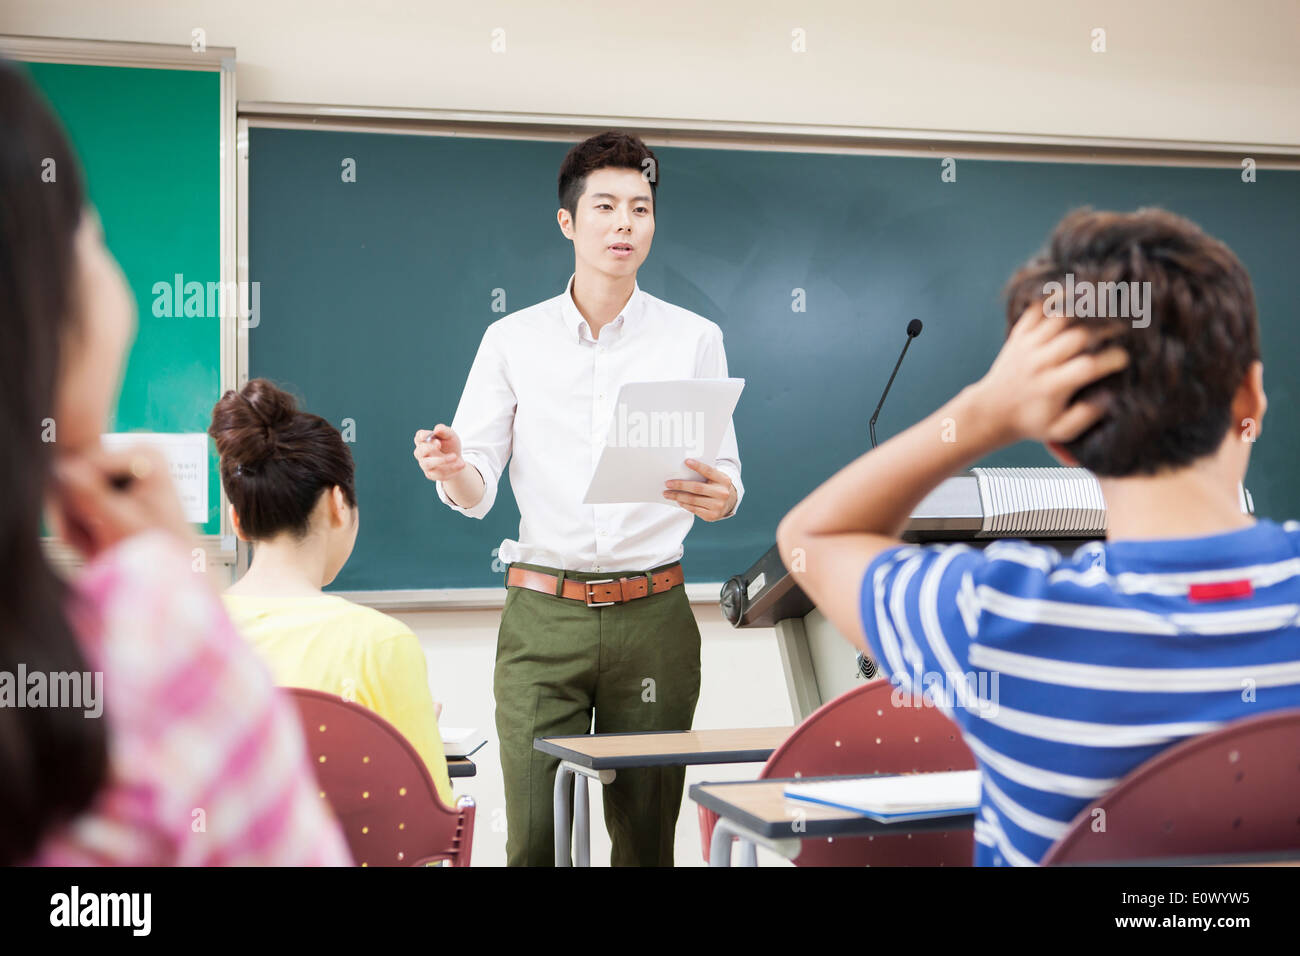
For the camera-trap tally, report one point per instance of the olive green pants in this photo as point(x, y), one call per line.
point(636, 665)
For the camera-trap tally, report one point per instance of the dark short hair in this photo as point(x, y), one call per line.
point(1172, 403)
point(277, 461)
point(611, 149)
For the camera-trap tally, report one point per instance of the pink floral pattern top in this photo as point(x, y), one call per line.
point(206, 760)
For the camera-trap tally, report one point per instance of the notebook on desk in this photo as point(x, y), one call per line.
point(913, 796)
point(461, 741)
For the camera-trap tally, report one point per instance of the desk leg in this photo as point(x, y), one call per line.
point(720, 846)
point(581, 822)
point(561, 814)
point(581, 837)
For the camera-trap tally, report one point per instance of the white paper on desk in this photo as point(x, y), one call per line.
point(913, 794)
point(460, 741)
point(187, 458)
point(653, 428)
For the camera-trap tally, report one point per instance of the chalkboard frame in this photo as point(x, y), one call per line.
point(219, 548)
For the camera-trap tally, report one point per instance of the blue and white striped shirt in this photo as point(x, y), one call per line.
point(1065, 674)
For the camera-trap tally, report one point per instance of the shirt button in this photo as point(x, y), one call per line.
point(601, 532)
point(601, 395)
point(598, 567)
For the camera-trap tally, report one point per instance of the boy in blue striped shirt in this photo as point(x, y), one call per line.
point(1184, 619)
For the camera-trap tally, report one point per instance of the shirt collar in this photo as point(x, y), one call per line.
point(574, 321)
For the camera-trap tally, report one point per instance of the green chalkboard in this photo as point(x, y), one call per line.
point(375, 294)
point(149, 141)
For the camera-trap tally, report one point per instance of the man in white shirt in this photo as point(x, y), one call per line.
point(596, 616)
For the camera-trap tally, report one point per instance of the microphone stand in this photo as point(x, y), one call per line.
point(913, 330)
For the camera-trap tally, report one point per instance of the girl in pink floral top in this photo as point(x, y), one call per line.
point(196, 759)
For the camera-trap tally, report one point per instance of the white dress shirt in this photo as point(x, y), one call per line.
point(540, 395)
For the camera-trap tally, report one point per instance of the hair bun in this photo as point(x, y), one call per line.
point(277, 461)
point(246, 424)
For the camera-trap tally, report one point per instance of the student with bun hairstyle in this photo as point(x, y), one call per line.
point(289, 476)
point(194, 758)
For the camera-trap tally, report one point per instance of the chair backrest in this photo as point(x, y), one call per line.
point(379, 788)
point(1233, 791)
point(863, 731)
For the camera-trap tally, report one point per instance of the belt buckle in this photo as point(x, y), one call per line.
point(587, 587)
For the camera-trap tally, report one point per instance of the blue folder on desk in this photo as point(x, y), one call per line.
point(890, 799)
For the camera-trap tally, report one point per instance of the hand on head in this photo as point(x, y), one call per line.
point(1042, 366)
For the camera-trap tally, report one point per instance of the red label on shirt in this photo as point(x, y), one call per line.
point(1220, 591)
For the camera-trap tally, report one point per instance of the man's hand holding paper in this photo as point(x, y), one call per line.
point(663, 444)
point(711, 499)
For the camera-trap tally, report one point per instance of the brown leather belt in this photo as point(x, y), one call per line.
point(601, 592)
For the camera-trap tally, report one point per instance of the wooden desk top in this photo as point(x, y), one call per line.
point(461, 767)
point(762, 807)
point(676, 748)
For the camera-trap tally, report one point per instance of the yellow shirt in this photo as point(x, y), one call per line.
point(327, 643)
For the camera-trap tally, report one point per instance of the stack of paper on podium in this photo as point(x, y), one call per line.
point(654, 428)
point(1039, 501)
point(913, 796)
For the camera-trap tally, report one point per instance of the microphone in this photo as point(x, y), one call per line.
point(913, 330)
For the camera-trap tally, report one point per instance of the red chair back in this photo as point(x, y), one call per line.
point(379, 788)
point(1233, 791)
point(860, 732)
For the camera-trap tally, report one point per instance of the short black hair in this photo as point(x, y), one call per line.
point(610, 149)
point(1172, 403)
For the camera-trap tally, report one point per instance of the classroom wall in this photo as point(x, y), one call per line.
point(1173, 69)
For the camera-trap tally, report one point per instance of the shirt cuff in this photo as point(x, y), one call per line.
point(489, 491)
point(731, 473)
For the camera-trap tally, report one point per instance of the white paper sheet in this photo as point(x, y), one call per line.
point(461, 741)
point(653, 428)
point(187, 456)
point(906, 794)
